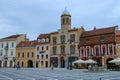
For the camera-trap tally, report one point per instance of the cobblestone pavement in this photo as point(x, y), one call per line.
point(56, 74)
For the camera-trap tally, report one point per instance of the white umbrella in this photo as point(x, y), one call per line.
point(90, 61)
point(79, 61)
point(117, 60)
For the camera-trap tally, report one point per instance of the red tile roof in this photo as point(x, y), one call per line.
point(12, 36)
point(27, 43)
point(43, 36)
point(99, 36)
point(99, 31)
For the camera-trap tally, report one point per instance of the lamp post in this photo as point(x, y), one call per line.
point(70, 57)
point(14, 62)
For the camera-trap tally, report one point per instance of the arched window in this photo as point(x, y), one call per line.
point(18, 54)
point(46, 63)
point(82, 52)
point(67, 20)
point(42, 48)
point(110, 50)
point(88, 51)
point(43, 40)
point(23, 55)
point(46, 56)
point(62, 39)
point(97, 51)
point(104, 50)
point(28, 54)
point(32, 54)
point(63, 21)
point(54, 40)
point(62, 49)
point(47, 48)
point(42, 56)
point(38, 48)
point(54, 50)
point(72, 37)
point(47, 39)
point(22, 63)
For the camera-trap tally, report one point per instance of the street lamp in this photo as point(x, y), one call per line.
point(14, 61)
point(70, 57)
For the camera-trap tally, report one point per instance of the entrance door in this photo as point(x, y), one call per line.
point(62, 62)
point(30, 63)
point(46, 64)
point(10, 63)
point(109, 65)
point(5, 64)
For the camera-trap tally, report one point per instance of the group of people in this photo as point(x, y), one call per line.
point(92, 67)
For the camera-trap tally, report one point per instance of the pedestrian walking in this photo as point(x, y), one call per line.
point(18, 66)
point(51, 67)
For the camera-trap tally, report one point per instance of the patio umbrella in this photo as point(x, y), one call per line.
point(79, 61)
point(117, 60)
point(90, 61)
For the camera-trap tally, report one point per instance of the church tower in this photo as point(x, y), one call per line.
point(66, 20)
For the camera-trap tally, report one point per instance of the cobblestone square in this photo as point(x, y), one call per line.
point(56, 74)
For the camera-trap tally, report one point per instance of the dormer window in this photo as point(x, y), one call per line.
point(47, 39)
point(38, 40)
point(43, 40)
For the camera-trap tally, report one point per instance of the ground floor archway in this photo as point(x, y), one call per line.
point(46, 64)
point(54, 61)
point(98, 59)
point(5, 63)
point(109, 64)
point(30, 63)
point(11, 63)
point(62, 62)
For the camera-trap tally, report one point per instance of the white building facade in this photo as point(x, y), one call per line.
point(8, 49)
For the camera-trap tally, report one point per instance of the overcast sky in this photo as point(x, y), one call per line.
point(34, 17)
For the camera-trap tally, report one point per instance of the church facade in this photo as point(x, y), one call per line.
point(64, 43)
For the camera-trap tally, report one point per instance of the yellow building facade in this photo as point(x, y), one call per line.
point(25, 54)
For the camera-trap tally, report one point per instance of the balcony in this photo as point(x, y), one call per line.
point(5, 56)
